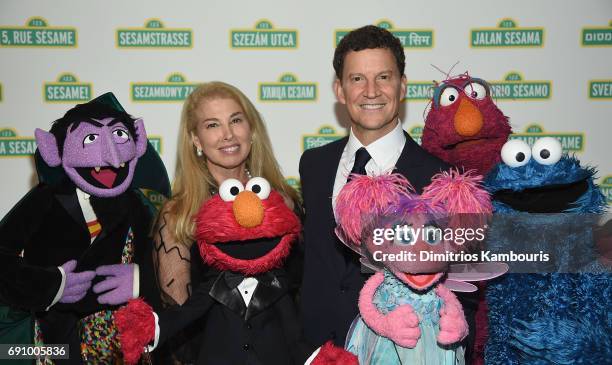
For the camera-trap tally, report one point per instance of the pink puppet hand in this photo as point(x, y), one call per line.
point(402, 326)
point(453, 326)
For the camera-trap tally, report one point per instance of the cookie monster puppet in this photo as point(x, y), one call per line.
point(77, 245)
point(244, 233)
point(562, 316)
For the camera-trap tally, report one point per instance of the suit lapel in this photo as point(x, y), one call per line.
point(229, 297)
point(70, 202)
point(330, 168)
point(269, 289)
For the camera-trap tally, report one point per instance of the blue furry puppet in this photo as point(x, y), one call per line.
point(558, 318)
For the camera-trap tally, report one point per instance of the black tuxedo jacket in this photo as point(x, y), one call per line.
point(49, 227)
point(332, 276)
point(266, 332)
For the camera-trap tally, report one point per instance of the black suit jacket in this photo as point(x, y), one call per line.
point(331, 283)
point(48, 226)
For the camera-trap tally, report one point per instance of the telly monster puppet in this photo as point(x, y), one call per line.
point(71, 250)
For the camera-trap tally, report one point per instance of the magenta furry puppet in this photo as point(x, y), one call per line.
point(407, 312)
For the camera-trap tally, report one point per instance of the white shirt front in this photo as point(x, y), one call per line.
point(247, 288)
point(385, 152)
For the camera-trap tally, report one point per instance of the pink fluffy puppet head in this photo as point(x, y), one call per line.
point(386, 222)
point(464, 127)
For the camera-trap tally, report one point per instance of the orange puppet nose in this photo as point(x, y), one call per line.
point(468, 119)
point(248, 209)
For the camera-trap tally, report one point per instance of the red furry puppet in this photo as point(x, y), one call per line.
point(243, 235)
point(464, 127)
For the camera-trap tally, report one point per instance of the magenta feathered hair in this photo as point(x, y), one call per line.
point(458, 193)
point(367, 196)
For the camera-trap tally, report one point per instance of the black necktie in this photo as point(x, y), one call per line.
point(361, 159)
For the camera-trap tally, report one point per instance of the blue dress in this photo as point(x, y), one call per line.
point(373, 349)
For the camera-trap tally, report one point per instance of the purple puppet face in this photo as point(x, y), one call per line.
point(99, 155)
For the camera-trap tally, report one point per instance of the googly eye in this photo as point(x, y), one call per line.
point(515, 153)
point(259, 186)
point(432, 235)
point(547, 151)
point(229, 189)
point(90, 138)
point(404, 235)
point(475, 91)
point(449, 96)
point(121, 135)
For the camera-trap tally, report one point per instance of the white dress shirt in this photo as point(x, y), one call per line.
point(385, 152)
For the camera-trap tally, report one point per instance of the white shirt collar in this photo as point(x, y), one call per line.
point(379, 149)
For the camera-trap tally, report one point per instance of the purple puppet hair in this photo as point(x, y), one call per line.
point(367, 196)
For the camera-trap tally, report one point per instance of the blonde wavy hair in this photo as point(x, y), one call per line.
point(193, 181)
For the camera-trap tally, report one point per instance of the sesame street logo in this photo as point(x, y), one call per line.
point(419, 91)
point(294, 182)
point(600, 89)
point(67, 89)
point(13, 146)
point(606, 188)
point(416, 133)
point(597, 36)
point(410, 38)
point(154, 35)
point(513, 87)
point(175, 89)
point(570, 142)
point(287, 89)
point(325, 135)
point(154, 197)
point(264, 36)
point(507, 35)
point(38, 33)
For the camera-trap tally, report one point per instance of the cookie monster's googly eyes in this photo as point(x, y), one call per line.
point(475, 91)
point(547, 151)
point(449, 96)
point(260, 186)
point(229, 189)
point(516, 153)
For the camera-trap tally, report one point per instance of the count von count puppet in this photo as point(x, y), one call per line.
point(76, 245)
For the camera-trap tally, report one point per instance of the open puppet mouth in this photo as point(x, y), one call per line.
point(421, 280)
point(250, 249)
point(469, 143)
point(546, 199)
point(105, 177)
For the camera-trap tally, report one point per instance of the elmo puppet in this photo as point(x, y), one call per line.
point(243, 233)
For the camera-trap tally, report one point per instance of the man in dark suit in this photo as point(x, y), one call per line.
point(369, 64)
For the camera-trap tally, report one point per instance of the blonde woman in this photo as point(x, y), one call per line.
point(221, 136)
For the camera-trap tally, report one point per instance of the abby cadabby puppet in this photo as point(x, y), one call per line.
point(407, 312)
